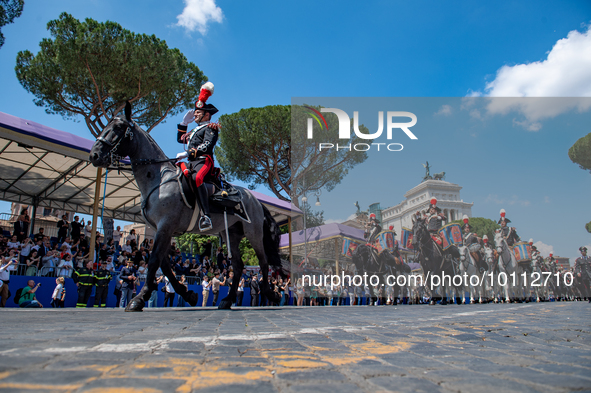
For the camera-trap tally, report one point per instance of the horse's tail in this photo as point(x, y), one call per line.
point(271, 237)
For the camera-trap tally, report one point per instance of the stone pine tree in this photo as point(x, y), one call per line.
point(9, 11)
point(482, 226)
point(580, 152)
point(89, 69)
point(265, 146)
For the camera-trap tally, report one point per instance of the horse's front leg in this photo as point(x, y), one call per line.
point(158, 254)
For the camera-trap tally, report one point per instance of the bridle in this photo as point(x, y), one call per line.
point(115, 158)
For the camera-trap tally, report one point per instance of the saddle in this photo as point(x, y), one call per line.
point(223, 196)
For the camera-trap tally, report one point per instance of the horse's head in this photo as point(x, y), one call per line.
point(115, 142)
point(499, 240)
point(489, 255)
point(419, 231)
point(463, 252)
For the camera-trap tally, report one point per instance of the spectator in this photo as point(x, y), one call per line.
point(215, 287)
point(59, 293)
point(219, 258)
point(21, 227)
point(141, 271)
point(87, 232)
point(68, 244)
point(180, 301)
point(76, 226)
point(66, 267)
point(40, 235)
point(127, 275)
point(83, 245)
point(284, 291)
point(255, 290)
point(153, 302)
point(32, 264)
point(168, 293)
point(28, 298)
point(206, 285)
point(151, 245)
point(25, 249)
point(117, 238)
point(48, 263)
point(207, 249)
point(127, 247)
point(8, 264)
point(110, 264)
point(63, 226)
point(122, 258)
point(132, 239)
point(14, 243)
point(240, 292)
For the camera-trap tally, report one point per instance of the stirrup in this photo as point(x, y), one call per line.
point(205, 224)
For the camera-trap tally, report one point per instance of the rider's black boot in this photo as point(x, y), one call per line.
point(205, 221)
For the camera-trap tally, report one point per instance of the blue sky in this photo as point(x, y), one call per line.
point(264, 53)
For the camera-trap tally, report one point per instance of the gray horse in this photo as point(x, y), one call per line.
point(163, 208)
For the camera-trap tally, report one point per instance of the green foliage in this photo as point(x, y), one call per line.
point(588, 227)
point(580, 152)
point(482, 226)
point(257, 146)
point(186, 240)
point(90, 69)
point(314, 169)
point(313, 219)
point(254, 147)
point(9, 10)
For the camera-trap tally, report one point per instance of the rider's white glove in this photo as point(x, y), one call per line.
point(182, 155)
point(189, 117)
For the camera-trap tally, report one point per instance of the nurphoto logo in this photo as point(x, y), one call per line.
point(345, 129)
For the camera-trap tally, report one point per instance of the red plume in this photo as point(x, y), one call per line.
point(204, 94)
point(434, 201)
point(465, 220)
point(391, 227)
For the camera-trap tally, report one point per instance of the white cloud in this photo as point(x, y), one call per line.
point(445, 110)
point(514, 200)
point(544, 249)
point(566, 72)
point(340, 221)
point(528, 125)
point(198, 13)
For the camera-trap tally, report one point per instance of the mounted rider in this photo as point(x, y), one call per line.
point(583, 271)
point(434, 221)
point(509, 233)
point(372, 229)
point(200, 144)
point(474, 244)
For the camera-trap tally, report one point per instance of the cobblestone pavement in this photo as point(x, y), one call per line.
point(505, 347)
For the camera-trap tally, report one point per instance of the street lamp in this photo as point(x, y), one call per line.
point(302, 190)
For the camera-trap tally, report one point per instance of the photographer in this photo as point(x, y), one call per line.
point(28, 299)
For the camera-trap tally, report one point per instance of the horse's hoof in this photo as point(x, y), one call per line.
point(192, 298)
point(135, 305)
point(225, 305)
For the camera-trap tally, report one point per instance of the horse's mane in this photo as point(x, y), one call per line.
point(148, 137)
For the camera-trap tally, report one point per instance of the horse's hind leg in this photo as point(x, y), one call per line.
point(236, 234)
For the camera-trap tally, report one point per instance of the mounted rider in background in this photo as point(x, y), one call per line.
point(473, 242)
point(509, 233)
